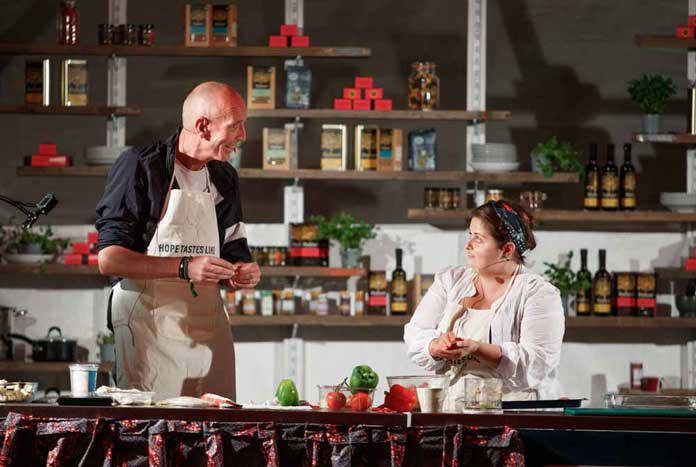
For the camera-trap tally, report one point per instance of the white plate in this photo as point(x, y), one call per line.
point(511, 158)
point(495, 166)
point(18, 258)
point(681, 209)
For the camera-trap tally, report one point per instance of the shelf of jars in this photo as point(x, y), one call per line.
point(317, 174)
point(665, 138)
point(173, 50)
point(107, 111)
point(657, 220)
point(674, 273)
point(467, 115)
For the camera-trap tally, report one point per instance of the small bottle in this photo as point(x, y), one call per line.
point(636, 375)
point(399, 288)
point(610, 182)
point(628, 181)
point(601, 288)
point(68, 24)
point(584, 295)
point(592, 181)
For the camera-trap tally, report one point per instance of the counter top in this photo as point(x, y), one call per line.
point(514, 419)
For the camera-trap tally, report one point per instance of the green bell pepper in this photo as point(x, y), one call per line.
point(363, 377)
point(287, 393)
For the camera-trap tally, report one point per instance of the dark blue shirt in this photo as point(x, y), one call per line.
point(136, 188)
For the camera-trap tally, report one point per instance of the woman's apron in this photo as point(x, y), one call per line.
point(168, 341)
point(455, 320)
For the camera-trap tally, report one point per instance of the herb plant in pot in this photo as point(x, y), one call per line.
point(107, 347)
point(651, 93)
point(565, 280)
point(555, 156)
point(348, 232)
point(31, 247)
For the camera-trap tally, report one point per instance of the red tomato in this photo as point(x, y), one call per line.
point(335, 400)
point(359, 402)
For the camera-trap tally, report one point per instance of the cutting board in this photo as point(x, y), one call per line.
point(633, 412)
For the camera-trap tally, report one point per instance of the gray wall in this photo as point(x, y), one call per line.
point(560, 66)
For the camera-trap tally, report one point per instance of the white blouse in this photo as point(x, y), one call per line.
point(528, 324)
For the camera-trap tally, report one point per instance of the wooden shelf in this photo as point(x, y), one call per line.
point(84, 270)
point(393, 115)
point(106, 111)
point(165, 50)
point(665, 138)
point(674, 273)
point(313, 320)
point(629, 322)
point(608, 219)
point(316, 174)
point(657, 41)
point(46, 367)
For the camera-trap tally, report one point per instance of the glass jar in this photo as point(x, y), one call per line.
point(130, 34)
point(445, 198)
point(423, 86)
point(146, 34)
point(431, 198)
point(106, 34)
point(68, 24)
point(494, 195)
point(456, 195)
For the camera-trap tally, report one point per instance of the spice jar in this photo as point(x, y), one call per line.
point(423, 86)
point(106, 34)
point(445, 198)
point(68, 24)
point(431, 198)
point(456, 195)
point(146, 34)
point(130, 34)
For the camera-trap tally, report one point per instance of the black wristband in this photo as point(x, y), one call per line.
point(181, 267)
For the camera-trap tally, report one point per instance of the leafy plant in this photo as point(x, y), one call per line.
point(344, 228)
point(563, 277)
point(18, 239)
point(105, 338)
point(651, 92)
point(555, 156)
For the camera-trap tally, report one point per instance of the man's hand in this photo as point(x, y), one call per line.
point(247, 276)
point(210, 269)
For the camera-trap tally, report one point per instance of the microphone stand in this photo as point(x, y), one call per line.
point(32, 211)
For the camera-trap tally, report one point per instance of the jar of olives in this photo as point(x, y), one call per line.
point(423, 86)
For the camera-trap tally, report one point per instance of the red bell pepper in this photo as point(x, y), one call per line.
point(400, 398)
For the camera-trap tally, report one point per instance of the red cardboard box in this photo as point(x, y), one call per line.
point(351, 93)
point(692, 21)
point(383, 105)
point(288, 30)
point(364, 82)
point(92, 237)
point(691, 264)
point(80, 248)
point(362, 104)
point(47, 149)
point(685, 32)
point(277, 41)
point(299, 41)
point(72, 259)
point(343, 104)
point(47, 161)
point(373, 93)
point(93, 260)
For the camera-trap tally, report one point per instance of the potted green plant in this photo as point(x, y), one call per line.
point(651, 93)
point(348, 232)
point(555, 156)
point(565, 280)
point(32, 246)
point(107, 346)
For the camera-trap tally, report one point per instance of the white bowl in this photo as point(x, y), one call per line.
point(20, 258)
point(495, 166)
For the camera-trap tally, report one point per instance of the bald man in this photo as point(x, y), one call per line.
point(170, 225)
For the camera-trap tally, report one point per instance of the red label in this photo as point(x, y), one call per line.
point(625, 302)
point(299, 41)
point(309, 252)
point(364, 82)
point(647, 303)
point(377, 300)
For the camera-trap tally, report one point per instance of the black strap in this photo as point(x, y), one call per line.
point(109, 324)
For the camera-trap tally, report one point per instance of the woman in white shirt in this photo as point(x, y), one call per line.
point(494, 318)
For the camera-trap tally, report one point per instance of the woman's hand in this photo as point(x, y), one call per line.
point(451, 347)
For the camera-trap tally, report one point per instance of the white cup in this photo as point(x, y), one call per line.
point(83, 379)
point(430, 399)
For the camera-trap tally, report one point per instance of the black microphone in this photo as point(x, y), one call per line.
point(504, 260)
point(43, 207)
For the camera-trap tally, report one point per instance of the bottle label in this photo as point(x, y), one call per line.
point(602, 297)
point(592, 190)
point(399, 305)
point(610, 191)
point(628, 200)
point(399, 287)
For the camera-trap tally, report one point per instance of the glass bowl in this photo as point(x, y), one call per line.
point(17, 391)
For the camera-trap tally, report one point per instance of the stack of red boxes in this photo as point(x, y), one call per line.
point(289, 36)
point(364, 96)
point(47, 157)
point(83, 253)
point(687, 32)
point(690, 264)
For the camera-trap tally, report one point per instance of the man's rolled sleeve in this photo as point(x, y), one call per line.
point(122, 211)
point(233, 232)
